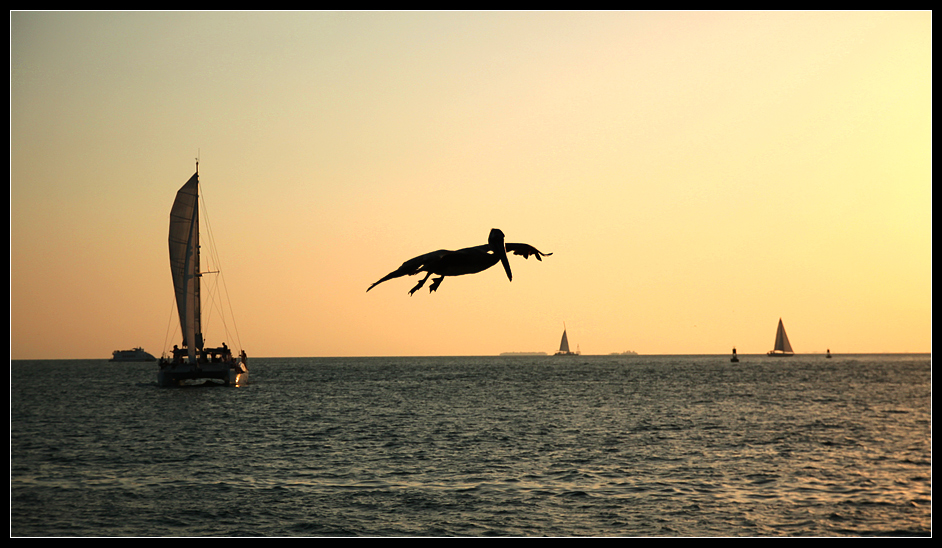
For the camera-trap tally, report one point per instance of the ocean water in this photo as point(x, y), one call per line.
point(478, 446)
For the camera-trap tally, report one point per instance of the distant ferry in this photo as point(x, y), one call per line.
point(135, 355)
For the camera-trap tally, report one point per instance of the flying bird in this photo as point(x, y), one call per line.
point(469, 260)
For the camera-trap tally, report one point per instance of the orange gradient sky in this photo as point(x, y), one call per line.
point(696, 176)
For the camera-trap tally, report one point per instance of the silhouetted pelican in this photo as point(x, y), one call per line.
point(469, 260)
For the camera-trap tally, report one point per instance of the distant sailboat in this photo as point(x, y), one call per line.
point(194, 360)
point(782, 348)
point(564, 346)
point(735, 358)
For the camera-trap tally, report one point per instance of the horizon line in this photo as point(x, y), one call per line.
point(531, 355)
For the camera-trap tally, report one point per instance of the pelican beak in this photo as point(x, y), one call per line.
point(496, 240)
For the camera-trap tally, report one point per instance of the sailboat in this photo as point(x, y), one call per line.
point(564, 346)
point(195, 360)
point(782, 348)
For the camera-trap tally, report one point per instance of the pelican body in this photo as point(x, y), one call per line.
point(469, 260)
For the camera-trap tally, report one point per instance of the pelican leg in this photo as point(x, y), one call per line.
point(435, 283)
point(420, 284)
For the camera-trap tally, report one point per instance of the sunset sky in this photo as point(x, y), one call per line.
point(697, 176)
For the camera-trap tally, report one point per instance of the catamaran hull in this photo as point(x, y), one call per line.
point(178, 374)
point(780, 354)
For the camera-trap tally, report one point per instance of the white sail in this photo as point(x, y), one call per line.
point(185, 263)
point(781, 339)
point(564, 344)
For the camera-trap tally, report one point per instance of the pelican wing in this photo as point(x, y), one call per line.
point(526, 250)
point(422, 262)
point(414, 266)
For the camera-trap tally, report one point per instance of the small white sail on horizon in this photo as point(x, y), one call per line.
point(564, 345)
point(782, 347)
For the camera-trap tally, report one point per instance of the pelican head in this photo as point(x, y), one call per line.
point(496, 241)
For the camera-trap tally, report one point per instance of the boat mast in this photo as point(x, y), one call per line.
point(196, 252)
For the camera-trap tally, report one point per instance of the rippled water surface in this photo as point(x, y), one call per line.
point(478, 446)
